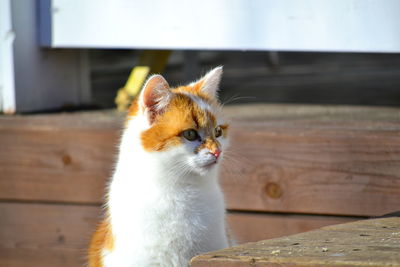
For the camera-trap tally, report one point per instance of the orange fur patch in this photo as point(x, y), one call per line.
point(224, 128)
point(211, 144)
point(102, 239)
point(196, 91)
point(133, 110)
point(167, 128)
point(182, 114)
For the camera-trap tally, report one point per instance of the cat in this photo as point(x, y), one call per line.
point(164, 203)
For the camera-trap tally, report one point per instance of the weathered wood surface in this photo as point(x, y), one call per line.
point(363, 243)
point(45, 235)
point(251, 227)
point(301, 159)
point(58, 235)
point(283, 77)
point(316, 160)
point(57, 158)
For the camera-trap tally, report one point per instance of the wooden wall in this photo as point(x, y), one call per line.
point(262, 77)
point(290, 169)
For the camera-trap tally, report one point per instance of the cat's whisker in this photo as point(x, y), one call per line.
point(233, 164)
point(176, 169)
point(235, 98)
point(236, 155)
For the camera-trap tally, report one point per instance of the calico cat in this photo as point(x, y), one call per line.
point(164, 201)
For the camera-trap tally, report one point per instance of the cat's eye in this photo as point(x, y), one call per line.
point(191, 135)
point(218, 131)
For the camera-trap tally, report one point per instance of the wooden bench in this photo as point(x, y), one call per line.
point(358, 244)
point(291, 169)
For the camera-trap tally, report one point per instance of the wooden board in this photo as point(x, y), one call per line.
point(327, 161)
point(284, 77)
point(57, 158)
point(47, 235)
point(300, 159)
point(362, 243)
point(251, 227)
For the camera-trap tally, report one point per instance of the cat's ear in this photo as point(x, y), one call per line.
point(209, 84)
point(155, 96)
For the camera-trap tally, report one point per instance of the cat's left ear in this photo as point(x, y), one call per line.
point(209, 84)
point(154, 97)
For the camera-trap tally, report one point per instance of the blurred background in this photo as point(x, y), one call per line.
point(59, 54)
point(313, 90)
point(266, 77)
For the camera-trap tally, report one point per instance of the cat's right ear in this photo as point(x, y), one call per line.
point(154, 97)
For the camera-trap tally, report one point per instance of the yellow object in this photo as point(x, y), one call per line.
point(122, 100)
point(150, 61)
point(136, 79)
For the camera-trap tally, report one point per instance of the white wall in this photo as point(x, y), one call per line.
point(7, 88)
point(38, 78)
point(291, 25)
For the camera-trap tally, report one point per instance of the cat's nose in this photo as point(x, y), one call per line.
point(216, 153)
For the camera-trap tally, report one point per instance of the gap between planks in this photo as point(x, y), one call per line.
point(229, 211)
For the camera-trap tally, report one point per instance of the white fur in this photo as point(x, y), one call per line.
point(165, 207)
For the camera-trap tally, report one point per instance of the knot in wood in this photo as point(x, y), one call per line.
point(66, 159)
point(273, 190)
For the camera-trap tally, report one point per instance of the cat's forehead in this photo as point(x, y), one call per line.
point(195, 110)
point(203, 115)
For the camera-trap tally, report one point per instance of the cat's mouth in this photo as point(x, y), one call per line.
point(210, 164)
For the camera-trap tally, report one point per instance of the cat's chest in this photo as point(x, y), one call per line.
point(157, 205)
point(182, 219)
point(184, 207)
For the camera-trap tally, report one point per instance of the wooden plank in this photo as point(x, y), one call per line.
point(45, 235)
point(57, 235)
point(302, 159)
point(335, 78)
point(332, 161)
point(364, 243)
point(251, 227)
point(65, 157)
point(329, 78)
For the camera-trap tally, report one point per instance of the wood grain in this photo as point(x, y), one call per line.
point(251, 227)
point(336, 78)
point(57, 158)
point(362, 243)
point(283, 158)
point(45, 234)
point(314, 170)
point(57, 235)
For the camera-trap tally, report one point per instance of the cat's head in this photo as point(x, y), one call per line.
point(184, 123)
